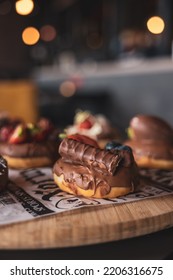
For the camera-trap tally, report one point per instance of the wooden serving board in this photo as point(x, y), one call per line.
point(90, 225)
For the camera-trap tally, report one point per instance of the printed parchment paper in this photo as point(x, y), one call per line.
point(32, 193)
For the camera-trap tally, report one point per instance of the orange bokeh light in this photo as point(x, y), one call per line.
point(30, 35)
point(67, 88)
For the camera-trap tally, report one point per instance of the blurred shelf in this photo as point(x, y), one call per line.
point(94, 70)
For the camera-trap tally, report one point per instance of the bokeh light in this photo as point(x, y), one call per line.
point(30, 35)
point(67, 88)
point(155, 25)
point(39, 52)
point(24, 7)
point(47, 33)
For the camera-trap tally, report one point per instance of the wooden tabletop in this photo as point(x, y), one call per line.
point(91, 225)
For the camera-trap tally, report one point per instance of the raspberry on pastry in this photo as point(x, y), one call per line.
point(97, 127)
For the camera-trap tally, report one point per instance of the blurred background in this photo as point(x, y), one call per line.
point(108, 56)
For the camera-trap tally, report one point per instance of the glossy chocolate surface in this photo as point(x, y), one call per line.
point(33, 149)
point(106, 161)
point(152, 137)
point(151, 149)
point(151, 127)
point(90, 168)
point(39, 139)
point(90, 179)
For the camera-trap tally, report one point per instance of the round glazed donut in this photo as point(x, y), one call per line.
point(3, 173)
point(28, 162)
point(29, 155)
point(93, 172)
point(26, 145)
point(151, 140)
point(152, 154)
point(154, 163)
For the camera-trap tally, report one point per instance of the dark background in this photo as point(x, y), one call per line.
point(89, 30)
point(92, 39)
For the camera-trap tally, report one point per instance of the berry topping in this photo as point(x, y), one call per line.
point(85, 124)
point(36, 133)
point(112, 145)
point(124, 148)
point(45, 125)
point(83, 139)
point(16, 131)
point(19, 135)
point(5, 133)
point(117, 146)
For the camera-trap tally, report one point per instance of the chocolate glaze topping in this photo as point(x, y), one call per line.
point(33, 149)
point(3, 173)
point(105, 161)
point(89, 178)
point(151, 127)
point(152, 137)
point(152, 149)
point(89, 167)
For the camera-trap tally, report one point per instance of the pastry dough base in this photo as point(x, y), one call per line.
point(147, 162)
point(16, 163)
point(115, 191)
